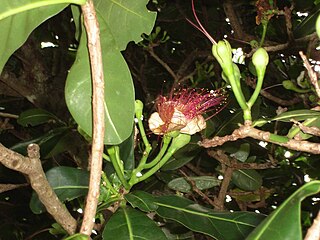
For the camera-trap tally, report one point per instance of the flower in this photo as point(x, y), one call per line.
point(182, 111)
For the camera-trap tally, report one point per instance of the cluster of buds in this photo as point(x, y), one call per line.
point(182, 110)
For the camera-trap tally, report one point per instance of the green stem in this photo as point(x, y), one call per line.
point(108, 184)
point(116, 162)
point(36, 4)
point(156, 168)
point(264, 31)
point(236, 88)
point(278, 139)
point(143, 165)
point(256, 90)
point(166, 142)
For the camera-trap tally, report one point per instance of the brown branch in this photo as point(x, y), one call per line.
point(9, 187)
point(248, 131)
point(313, 232)
point(197, 190)
point(31, 166)
point(312, 74)
point(95, 53)
point(162, 63)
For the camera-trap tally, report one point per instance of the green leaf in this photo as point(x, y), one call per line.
point(247, 179)
point(130, 224)
point(202, 183)
point(127, 20)
point(284, 223)
point(142, 200)
point(119, 92)
point(243, 152)
point(67, 182)
point(15, 29)
point(47, 142)
point(218, 225)
point(298, 115)
point(35, 117)
point(295, 130)
point(307, 25)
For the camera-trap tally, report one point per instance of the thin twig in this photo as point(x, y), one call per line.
point(162, 63)
point(312, 74)
point(197, 190)
point(93, 33)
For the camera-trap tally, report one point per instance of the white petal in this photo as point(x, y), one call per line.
point(195, 125)
point(155, 123)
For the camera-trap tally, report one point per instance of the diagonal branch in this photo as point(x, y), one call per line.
point(31, 166)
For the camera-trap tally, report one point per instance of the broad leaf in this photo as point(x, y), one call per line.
point(243, 152)
point(47, 142)
point(34, 117)
point(284, 223)
point(247, 179)
point(298, 115)
point(119, 92)
point(67, 182)
point(218, 225)
point(18, 18)
point(127, 20)
point(130, 224)
point(202, 183)
point(142, 200)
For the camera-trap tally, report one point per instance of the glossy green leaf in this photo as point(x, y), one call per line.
point(284, 222)
point(67, 182)
point(307, 25)
point(218, 225)
point(126, 149)
point(119, 92)
point(295, 130)
point(243, 152)
point(202, 183)
point(47, 142)
point(130, 224)
point(17, 23)
point(247, 179)
point(132, 17)
point(142, 200)
point(298, 115)
point(34, 117)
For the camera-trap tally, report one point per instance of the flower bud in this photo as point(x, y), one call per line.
point(180, 141)
point(260, 60)
point(318, 26)
point(223, 53)
point(138, 108)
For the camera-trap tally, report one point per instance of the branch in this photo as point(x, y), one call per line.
point(162, 63)
point(248, 131)
point(93, 34)
point(31, 166)
point(312, 74)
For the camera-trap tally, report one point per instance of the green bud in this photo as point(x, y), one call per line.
point(180, 141)
point(260, 60)
point(138, 108)
point(287, 84)
point(318, 26)
point(223, 53)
